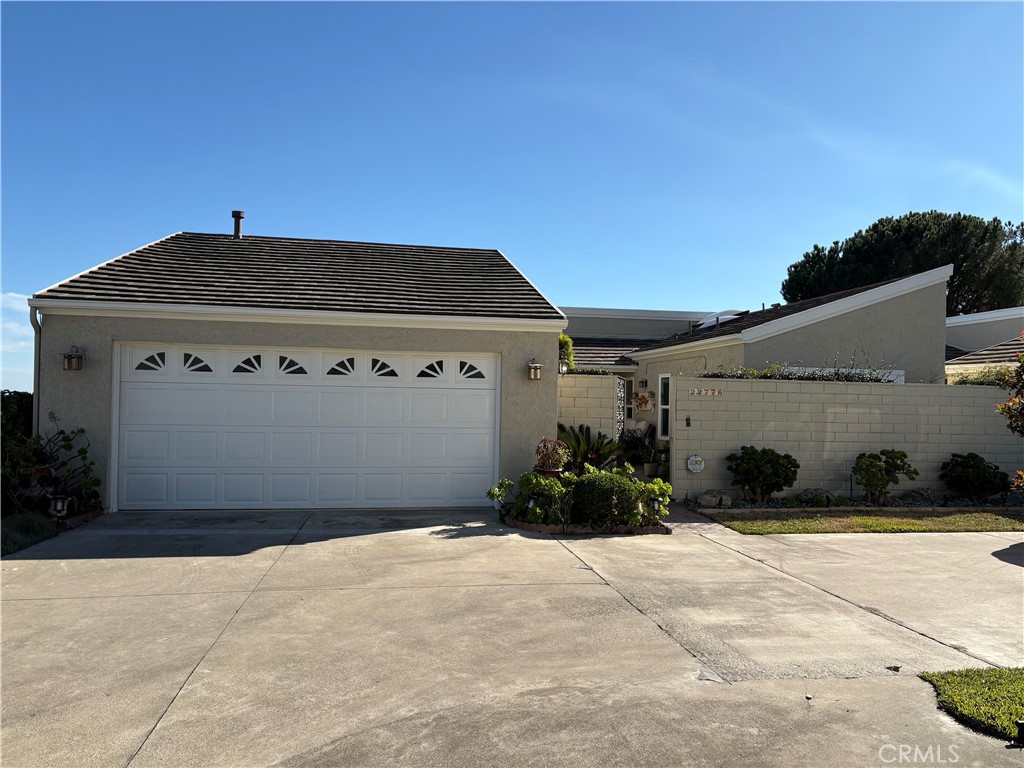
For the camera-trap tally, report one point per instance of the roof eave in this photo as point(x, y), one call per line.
point(303, 316)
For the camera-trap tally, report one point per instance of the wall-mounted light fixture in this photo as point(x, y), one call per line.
point(563, 366)
point(73, 359)
point(533, 369)
point(642, 384)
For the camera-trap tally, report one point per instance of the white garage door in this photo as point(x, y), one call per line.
point(229, 427)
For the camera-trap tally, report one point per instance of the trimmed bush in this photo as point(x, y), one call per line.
point(760, 472)
point(971, 476)
point(875, 472)
point(604, 498)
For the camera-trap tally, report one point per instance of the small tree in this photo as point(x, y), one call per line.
point(565, 351)
point(762, 472)
point(970, 475)
point(1013, 409)
point(876, 472)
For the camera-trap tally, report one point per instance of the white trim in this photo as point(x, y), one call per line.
point(638, 314)
point(496, 468)
point(694, 346)
point(303, 316)
point(113, 488)
point(538, 290)
point(1010, 313)
point(849, 304)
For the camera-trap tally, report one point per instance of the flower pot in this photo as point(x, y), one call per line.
point(650, 469)
point(547, 472)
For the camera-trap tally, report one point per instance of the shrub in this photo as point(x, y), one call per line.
point(586, 448)
point(1013, 409)
point(970, 475)
point(785, 372)
point(762, 472)
point(988, 377)
point(604, 498)
point(875, 472)
point(565, 351)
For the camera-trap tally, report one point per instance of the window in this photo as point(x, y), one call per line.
point(629, 398)
point(664, 405)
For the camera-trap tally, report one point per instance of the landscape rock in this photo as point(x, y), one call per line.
point(712, 499)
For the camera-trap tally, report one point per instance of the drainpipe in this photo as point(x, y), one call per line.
point(38, 329)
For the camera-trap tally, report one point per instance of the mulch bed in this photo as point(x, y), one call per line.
point(583, 530)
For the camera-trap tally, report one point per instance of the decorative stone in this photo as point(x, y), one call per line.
point(712, 499)
point(808, 496)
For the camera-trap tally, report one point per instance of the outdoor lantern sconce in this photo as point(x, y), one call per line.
point(60, 505)
point(642, 384)
point(563, 366)
point(73, 359)
point(533, 368)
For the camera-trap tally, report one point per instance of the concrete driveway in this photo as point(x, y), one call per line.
point(426, 638)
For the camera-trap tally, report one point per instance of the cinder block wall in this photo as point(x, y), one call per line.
point(588, 400)
point(824, 425)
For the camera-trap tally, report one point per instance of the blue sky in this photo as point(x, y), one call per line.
point(660, 156)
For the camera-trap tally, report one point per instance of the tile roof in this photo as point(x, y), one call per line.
point(327, 275)
point(599, 353)
point(760, 317)
point(1004, 353)
point(952, 352)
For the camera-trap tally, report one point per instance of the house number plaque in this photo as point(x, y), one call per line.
point(695, 464)
point(707, 392)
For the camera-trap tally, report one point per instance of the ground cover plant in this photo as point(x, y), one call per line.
point(987, 700)
point(902, 520)
point(23, 529)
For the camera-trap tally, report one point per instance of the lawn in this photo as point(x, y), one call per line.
point(904, 520)
point(987, 700)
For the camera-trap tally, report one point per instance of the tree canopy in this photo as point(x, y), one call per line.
point(987, 259)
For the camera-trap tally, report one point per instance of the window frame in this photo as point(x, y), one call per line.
point(629, 399)
point(664, 405)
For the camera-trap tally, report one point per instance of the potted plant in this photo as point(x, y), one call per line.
point(649, 455)
point(551, 457)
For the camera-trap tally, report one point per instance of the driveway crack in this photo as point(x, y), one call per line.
point(706, 672)
point(216, 640)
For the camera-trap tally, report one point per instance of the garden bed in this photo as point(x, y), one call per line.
point(584, 530)
point(68, 523)
point(868, 519)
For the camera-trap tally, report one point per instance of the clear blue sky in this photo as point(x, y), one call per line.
point(661, 156)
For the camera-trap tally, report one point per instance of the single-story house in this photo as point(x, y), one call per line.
point(215, 371)
point(969, 333)
point(1004, 355)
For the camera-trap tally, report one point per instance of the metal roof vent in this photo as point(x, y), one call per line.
point(238, 216)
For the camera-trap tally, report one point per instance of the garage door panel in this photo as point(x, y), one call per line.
point(244, 488)
point(205, 427)
point(245, 447)
point(196, 447)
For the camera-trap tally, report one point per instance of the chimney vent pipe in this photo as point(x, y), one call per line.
point(238, 216)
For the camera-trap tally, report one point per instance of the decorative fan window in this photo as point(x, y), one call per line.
point(252, 364)
point(195, 364)
point(380, 368)
point(155, 362)
point(469, 371)
point(344, 367)
point(434, 370)
point(286, 365)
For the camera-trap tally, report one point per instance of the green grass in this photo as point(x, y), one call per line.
point(23, 529)
point(987, 700)
point(770, 521)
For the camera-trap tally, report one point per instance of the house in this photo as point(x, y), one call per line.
point(969, 333)
point(226, 371)
point(998, 356)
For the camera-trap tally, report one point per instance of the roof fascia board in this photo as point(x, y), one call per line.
point(302, 316)
point(693, 346)
point(637, 314)
point(538, 290)
point(849, 304)
point(1010, 313)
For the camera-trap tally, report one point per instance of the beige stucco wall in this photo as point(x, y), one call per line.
point(906, 332)
point(83, 398)
point(825, 425)
point(588, 400)
point(974, 336)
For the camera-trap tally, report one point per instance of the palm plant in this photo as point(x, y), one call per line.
point(587, 448)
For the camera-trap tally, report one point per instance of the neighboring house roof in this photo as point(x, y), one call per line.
point(752, 326)
point(602, 353)
point(952, 352)
point(1004, 353)
point(994, 315)
point(279, 273)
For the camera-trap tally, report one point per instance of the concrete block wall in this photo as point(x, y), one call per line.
point(588, 400)
point(825, 425)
